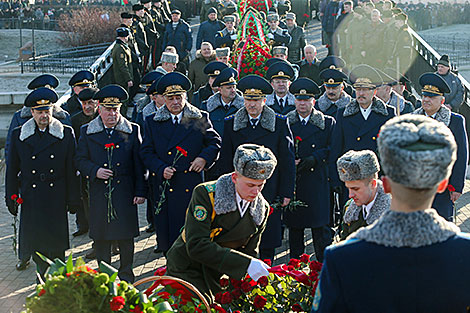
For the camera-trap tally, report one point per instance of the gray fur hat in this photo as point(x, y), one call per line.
point(273, 17)
point(280, 50)
point(357, 165)
point(222, 52)
point(255, 162)
point(416, 151)
point(169, 57)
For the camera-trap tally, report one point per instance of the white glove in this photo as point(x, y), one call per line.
point(233, 37)
point(270, 36)
point(257, 269)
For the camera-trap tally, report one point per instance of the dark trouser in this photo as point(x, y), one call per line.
point(52, 254)
point(82, 211)
point(321, 236)
point(126, 254)
point(266, 253)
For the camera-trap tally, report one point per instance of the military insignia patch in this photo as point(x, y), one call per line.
point(200, 213)
point(316, 300)
point(122, 55)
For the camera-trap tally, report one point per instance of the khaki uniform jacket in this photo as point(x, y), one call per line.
point(122, 63)
point(216, 241)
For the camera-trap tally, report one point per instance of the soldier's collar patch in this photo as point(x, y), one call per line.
point(200, 213)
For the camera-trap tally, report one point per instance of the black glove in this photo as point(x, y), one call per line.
point(306, 164)
point(12, 208)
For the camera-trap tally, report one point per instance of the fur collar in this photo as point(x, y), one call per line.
point(443, 115)
point(267, 119)
point(189, 111)
point(270, 99)
point(96, 126)
point(200, 57)
point(377, 106)
point(149, 109)
point(397, 101)
point(215, 101)
point(324, 103)
point(415, 229)
point(57, 112)
point(225, 200)
point(56, 129)
point(317, 118)
point(381, 204)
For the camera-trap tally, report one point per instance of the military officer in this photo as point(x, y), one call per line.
point(168, 62)
point(123, 71)
point(156, 100)
point(434, 89)
point(257, 123)
point(79, 81)
point(178, 124)
point(334, 97)
point(22, 116)
point(390, 97)
point(357, 125)
point(410, 242)
point(280, 74)
point(212, 70)
point(277, 36)
point(138, 31)
point(224, 224)
point(143, 98)
point(227, 7)
point(312, 132)
point(334, 62)
point(359, 171)
point(108, 155)
point(42, 150)
point(227, 36)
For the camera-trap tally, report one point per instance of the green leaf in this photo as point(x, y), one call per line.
point(69, 266)
point(44, 258)
point(108, 269)
point(163, 307)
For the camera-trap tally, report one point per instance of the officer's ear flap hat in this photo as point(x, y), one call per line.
point(173, 84)
point(222, 52)
point(44, 80)
point(364, 76)
point(280, 50)
point(254, 87)
point(87, 94)
point(229, 18)
point(433, 85)
point(290, 16)
point(416, 151)
point(357, 165)
point(168, 57)
point(111, 96)
point(41, 99)
point(227, 77)
point(82, 78)
point(254, 161)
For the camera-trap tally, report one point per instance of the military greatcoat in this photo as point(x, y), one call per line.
point(194, 134)
point(273, 132)
point(128, 177)
point(271, 101)
point(216, 240)
point(47, 183)
point(316, 138)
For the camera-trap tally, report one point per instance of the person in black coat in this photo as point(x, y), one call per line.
point(276, 35)
point(178, 35)
point(42, 150)
point(176, 125)
point(280, 75)
point(312, 132)
point(209, 29)
point(227, 36)
point(297, 44)
point(79, 81)
point(334, 97)
point(108, 156)
point(212, 70)
point(309, 66)
point(259, 124)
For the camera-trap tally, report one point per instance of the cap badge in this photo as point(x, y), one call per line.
point(216, 72)
point(303, 92)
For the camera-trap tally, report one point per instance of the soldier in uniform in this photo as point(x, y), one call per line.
point(42, 150)
point(156, 101)
point(126, 19)
point(410, 242)
point(209, 29)
point(19, 118)
point(227, 36)
point(113, 214)
point(357, 125)
point(224, 224)
point(226, 7)
point(312, 130)
point(206, 6)
point(297, 44)
point(79, 81)
point(277, 36)
point(223, 55)
point(257, 123)
point(212, 70)
point(152, 33)
point(178, 34)
point(140, 35)
point(123, 71)
point(280, 74)
point(160, 19)
point(334, 97)
point(177, 124)
point(359, 171)
point(168, 63)
point(433, 89)
point(335, 62)
point(390, 97)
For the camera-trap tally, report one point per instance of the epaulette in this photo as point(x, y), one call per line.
point(282, 117)
point(210, 187)
point(229, 117)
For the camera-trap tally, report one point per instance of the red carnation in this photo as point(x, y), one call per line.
point(246, 286)
point(218, 297)
point(301, 277)
point(296, 308)
point(117, 303)
point(250, 70)
point(226, 298)
point(306, 15)
point(450, 188)
point(109, 146)
point(259, 302)
point(294, 262)
point(245, 71)
point(243, 64)
point(183, 152)
point(268, 262)
point(271, 210)
point(19, 200)
point(304, 258)
point(218, 308)
point(42, 292)
point(257, 72)
point(315, 266)
point(297, 138)
point(137, 309)
point(265, 68)
point(263, 281)
point(13, 197)
point(236, 293)
point(224, 282)
point(235, 283)
point(290, 268)
point(160, 271)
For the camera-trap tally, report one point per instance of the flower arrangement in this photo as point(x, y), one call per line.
point(259, 5)
point(288, 288)
point(78, 288)
point(18, 201)
point(111, 210)
point(180, 152)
